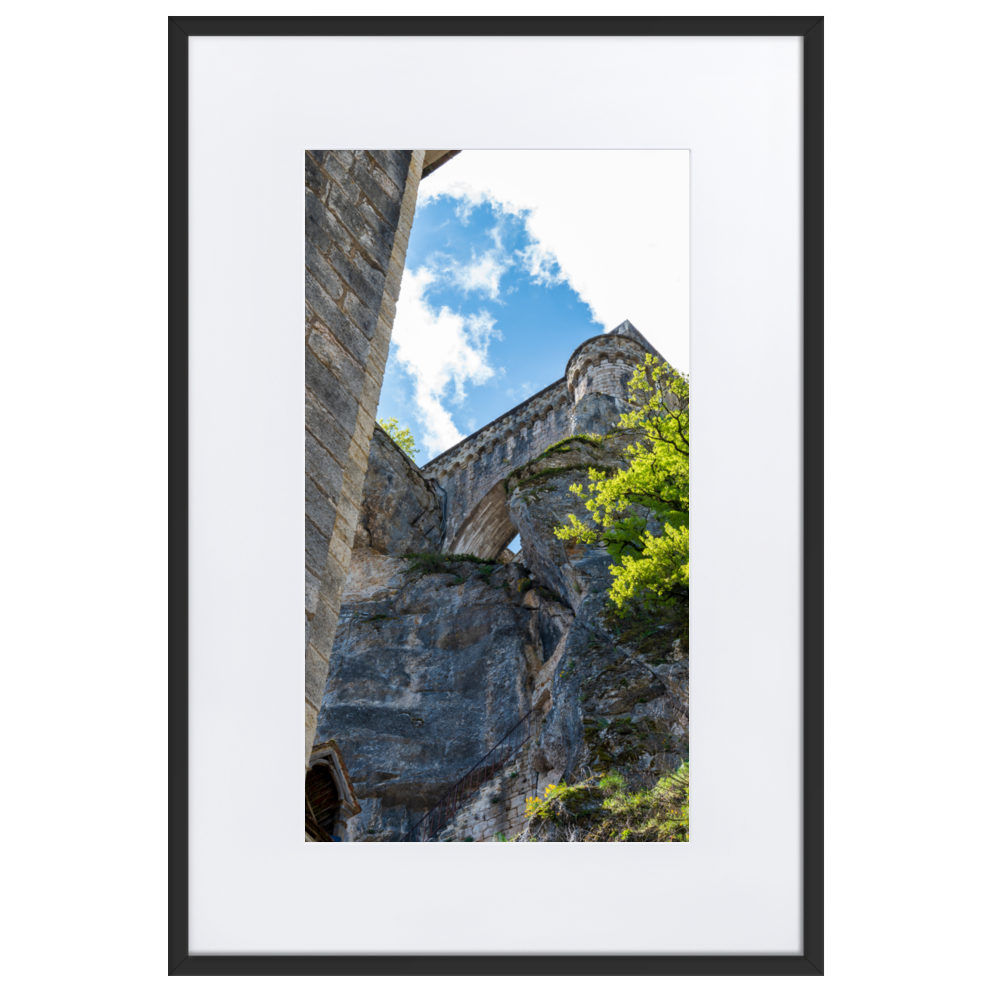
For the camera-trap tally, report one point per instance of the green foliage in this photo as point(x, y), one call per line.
point(524, 585)
point(401, 435)
point(641, 512)
point(606, 809)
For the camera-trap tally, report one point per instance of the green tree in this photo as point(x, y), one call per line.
point(401, 435)
point(641, 512)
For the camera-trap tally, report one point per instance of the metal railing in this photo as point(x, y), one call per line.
point(437, 818)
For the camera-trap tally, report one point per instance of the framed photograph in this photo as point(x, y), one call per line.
point(506, 642)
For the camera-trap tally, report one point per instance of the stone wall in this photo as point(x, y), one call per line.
point(589, 396)
point(359, 207)
point(499, 806)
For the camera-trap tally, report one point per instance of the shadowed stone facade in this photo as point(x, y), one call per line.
point(359, 207)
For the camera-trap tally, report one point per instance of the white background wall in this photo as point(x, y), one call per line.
point(736, 104)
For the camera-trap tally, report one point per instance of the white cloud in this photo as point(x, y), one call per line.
point(481, 274)
point(612, 223)
point(441, 351)
point(540, 262)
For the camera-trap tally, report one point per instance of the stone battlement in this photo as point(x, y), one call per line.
point(472, 472)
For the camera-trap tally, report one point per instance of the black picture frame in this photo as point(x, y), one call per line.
point(810, 962)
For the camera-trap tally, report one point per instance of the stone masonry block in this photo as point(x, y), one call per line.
point(397, 261)
point(325, 232)
point(370, 395)
point(390, 188)
point(362, 317)
point(320, 509)
point(323, 470)
point(337, 399)
point(317, 545)
point(384, 232)
point(387, 208)
point(335, 244)
point(336, 321)
point(365, 424)
point(333, 579)
point(352, 492)
point(372, 272)
point(388, 310)
point(370, 230)
point(312, 716)
point(395, 163)
point(379, 351)
point(344, 529)
point(317, 667)
point(316, 180)
point(324, 622)
point(325, 427)
point(356, 466)
point(326, 348)
point(324, 274)
point(313, 585)
point(339, 550)
point(383, 335)
point(337, 164)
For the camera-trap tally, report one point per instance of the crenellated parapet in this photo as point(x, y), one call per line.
point(526, 421)
point(472, 472)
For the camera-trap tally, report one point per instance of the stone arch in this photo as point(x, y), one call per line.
point(487, 531)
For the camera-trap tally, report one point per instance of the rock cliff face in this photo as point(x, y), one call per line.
point(402, 510)
point(612, 705)
point(436, 658)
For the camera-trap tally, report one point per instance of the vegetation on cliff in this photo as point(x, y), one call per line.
point(403, 436)
point(641, 512)
point(605, 809)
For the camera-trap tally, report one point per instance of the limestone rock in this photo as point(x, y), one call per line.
point(424, 680)
point(402, 510)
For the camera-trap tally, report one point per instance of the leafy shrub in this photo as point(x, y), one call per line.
point(401, 435)
point(641, 512)
point(605, 809)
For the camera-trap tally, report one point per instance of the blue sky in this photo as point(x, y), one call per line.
point(506, 275)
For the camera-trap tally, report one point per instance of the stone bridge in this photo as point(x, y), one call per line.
point(586, 399)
